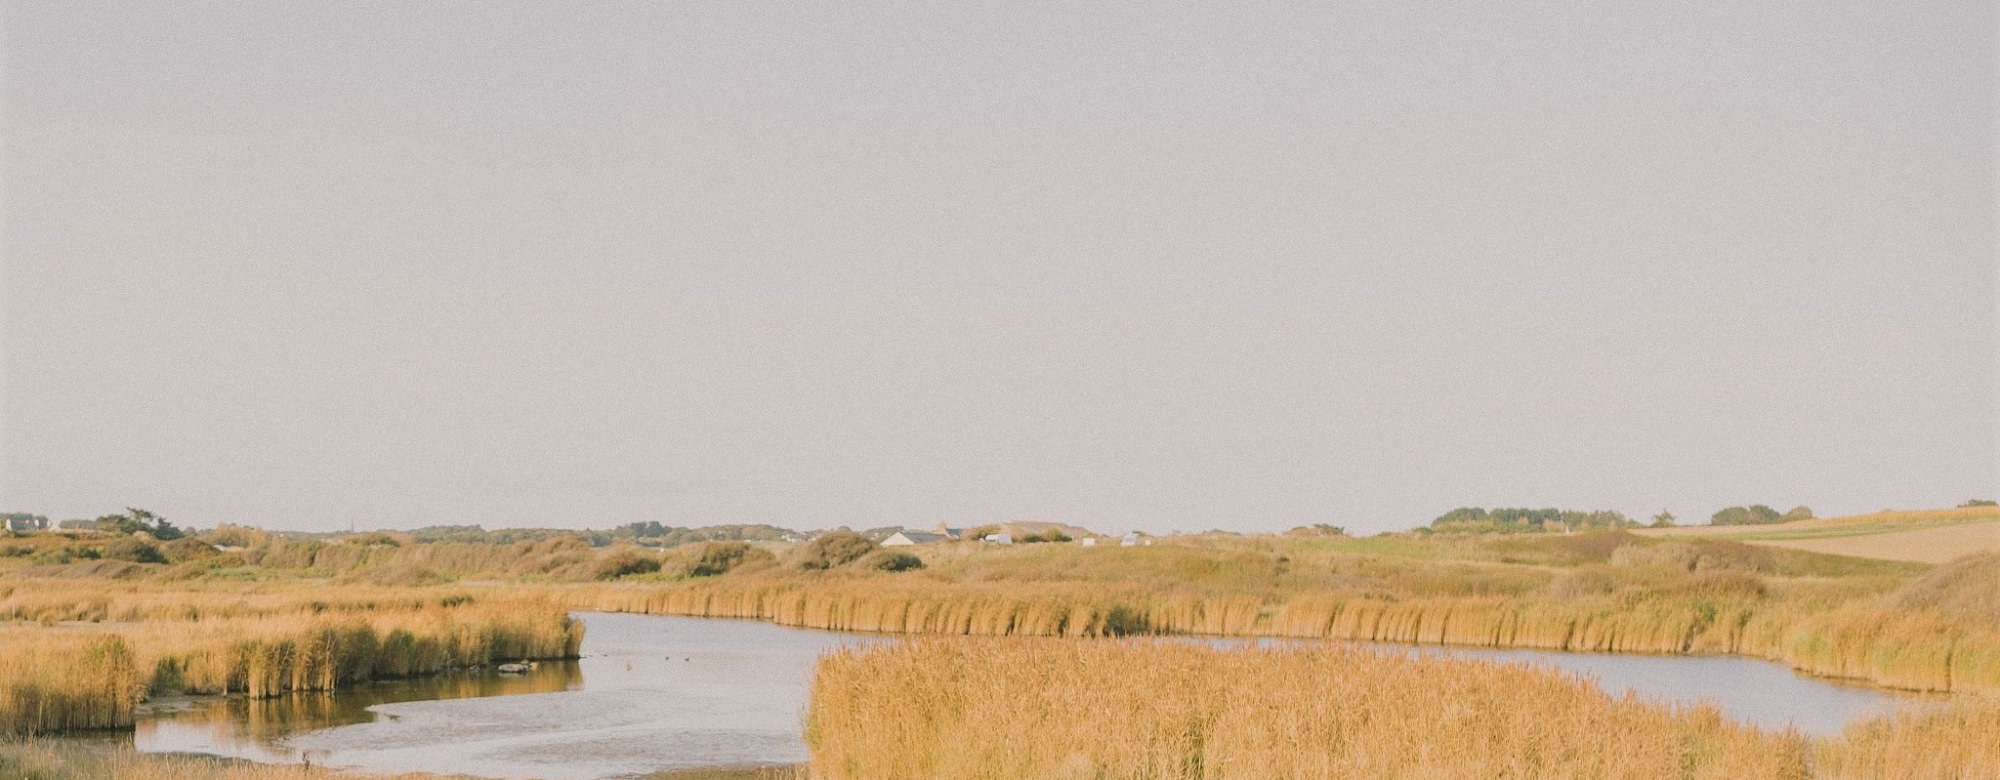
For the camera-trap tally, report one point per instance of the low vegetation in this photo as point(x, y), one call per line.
point(1155, 709)
point(80, 654)
point(1606, 591)
point(93, 622)
point(1177, 710)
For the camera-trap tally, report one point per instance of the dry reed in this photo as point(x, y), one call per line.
point(1149, 709)
point(260, 644)
point(1959, 740)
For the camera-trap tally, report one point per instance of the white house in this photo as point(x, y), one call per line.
point(1000, 538)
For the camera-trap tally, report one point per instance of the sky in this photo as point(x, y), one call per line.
point(1126, 266)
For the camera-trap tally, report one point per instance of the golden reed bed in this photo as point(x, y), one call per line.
point(1938, 632)
point(57, 676)
point(1144, 709)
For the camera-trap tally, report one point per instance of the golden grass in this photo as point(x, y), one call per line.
point(289, 629)
point(1713, 598)
point(1924, 536)
point(1925, 545)
point(66, 682)
point(261, 644)
point(1148, 709)
point(1955, 741)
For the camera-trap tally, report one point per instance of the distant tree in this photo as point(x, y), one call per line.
point(1797, 513)
point(1978, 502)
point(136, 520)
point(1664, 519)
point(1758, 514)
point(1528, 520)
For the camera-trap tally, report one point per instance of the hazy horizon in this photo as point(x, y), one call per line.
point(555, 265)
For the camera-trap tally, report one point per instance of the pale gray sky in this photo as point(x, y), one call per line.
point(1178, 266)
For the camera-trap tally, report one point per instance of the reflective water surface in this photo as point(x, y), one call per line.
point(649, 694)
point(660, 693)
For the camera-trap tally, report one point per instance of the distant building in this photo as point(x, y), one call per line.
point(25, 523)
point(953, 534)
point(1089, 541)
point(1000, 538)
point(1130, 540)
point(912, 538)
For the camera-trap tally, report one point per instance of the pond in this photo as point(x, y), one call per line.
point(662, 693)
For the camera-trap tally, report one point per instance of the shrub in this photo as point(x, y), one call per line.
point(622, 563)
point(833, 549)
point(717, 558)
point(48, 556)
point(187, 548)
point(131, 549)
point(890, 560)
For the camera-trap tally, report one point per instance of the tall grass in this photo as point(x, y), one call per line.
point(67, 682)
point(1146, 709)
point(264, 645)
point(1102, 709)
point(1935, 633)
point(1955, 741)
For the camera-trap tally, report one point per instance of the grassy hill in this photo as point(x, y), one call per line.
point(1924, 536)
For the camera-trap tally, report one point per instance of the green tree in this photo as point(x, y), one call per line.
point(135, 520)
point(1664, 519)
point(1757, 514)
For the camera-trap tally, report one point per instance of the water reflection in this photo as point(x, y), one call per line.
point(650, 694)
point(662, 693)
point(242, 727)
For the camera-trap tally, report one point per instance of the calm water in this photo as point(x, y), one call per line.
point(658, 693)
